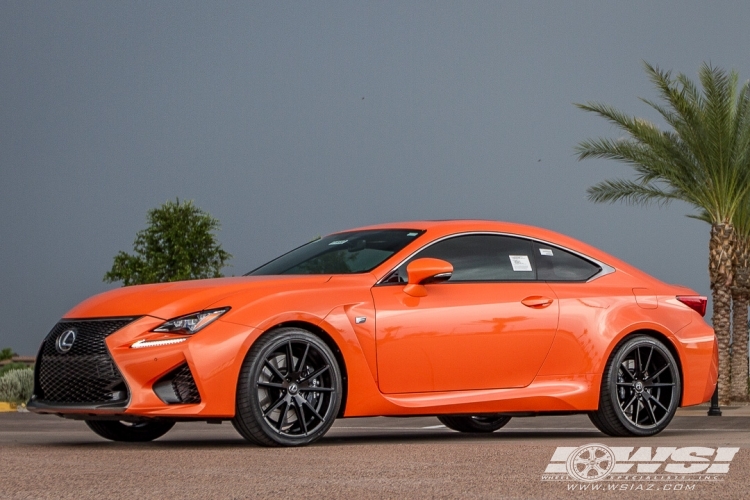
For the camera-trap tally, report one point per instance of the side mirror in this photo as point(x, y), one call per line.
point(421, 272)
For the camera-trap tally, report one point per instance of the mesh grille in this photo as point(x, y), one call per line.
point(84, 374)
point(184, 385)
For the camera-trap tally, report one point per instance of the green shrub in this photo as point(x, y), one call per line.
point(16, 386)
point(12, 366)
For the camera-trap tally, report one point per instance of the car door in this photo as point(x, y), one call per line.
point(490, 326)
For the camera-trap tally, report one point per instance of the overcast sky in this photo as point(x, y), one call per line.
point(287, 120)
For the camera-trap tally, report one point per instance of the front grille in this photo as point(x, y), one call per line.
point(85, 374)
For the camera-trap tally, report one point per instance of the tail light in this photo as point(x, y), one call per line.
point(694, 302)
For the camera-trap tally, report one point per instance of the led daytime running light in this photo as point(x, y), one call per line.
point(156, 343)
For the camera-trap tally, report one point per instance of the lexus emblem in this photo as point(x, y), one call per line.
point(65, 341)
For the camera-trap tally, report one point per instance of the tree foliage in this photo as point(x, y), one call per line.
point(178, 244)
point(7, 353)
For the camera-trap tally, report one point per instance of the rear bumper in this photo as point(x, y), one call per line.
point(700, 362)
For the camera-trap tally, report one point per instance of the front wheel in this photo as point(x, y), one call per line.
point(640, 391)
point(474, 423)
point(132, 432)
point(289, 390)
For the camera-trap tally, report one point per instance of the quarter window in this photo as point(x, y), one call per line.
point(555, 264)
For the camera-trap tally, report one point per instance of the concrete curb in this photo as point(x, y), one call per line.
point(6, 407)
point(735, 410)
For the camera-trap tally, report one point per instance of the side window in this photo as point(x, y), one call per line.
point(480, 257)
point(554, 264)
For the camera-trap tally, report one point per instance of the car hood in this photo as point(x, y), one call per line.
point(168, 300)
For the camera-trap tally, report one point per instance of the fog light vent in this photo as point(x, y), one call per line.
point(178, 387)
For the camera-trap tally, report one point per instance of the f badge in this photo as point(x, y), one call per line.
point(65, 340)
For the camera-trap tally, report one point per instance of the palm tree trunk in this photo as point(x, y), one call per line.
point(720, 253)
point(740, 295)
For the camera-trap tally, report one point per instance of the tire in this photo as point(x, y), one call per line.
point(130, 432)
point(474, 423)
point(637, 398)
point(289, 389)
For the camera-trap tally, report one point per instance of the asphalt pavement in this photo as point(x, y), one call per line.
point(48, 457)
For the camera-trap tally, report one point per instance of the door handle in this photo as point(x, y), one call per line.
point(536, 302)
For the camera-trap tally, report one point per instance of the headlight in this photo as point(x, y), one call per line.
point(191, 323)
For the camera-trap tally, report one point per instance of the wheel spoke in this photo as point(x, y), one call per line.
point(273, 369)
point(282, 417)
point(625, 369)
point(659, 372)
point(630, 403)
point(303, 359)
point(650, 410)
point(274, 385)
point(289, 358)
point(648, 361)
point(313, 410)
point(316, 389)
point(316, 373)
point(274, 406)
point(637, 411)
point(652, 398)
point(662, 384)
point(637, 358)
point(300, 415)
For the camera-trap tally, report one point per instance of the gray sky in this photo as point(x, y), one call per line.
point(290, 120)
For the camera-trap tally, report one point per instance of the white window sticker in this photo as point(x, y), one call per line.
point(545, 251)
point(520, 262)
point(337, 242)
point(411, 234)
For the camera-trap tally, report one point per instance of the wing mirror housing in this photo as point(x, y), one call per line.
point(421, 272)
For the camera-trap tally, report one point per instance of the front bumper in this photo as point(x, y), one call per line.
point(194, 379)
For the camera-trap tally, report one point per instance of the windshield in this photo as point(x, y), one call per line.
point(341, 253)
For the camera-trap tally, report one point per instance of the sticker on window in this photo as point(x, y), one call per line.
point(545, 251)
point(337, 242)
point(520, 262)
point(411, 234)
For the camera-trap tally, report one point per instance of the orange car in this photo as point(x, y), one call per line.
point(472, 321)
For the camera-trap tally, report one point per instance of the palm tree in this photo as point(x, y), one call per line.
point(703, 159)
point(740, 298)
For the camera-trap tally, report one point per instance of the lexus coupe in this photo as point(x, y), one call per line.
point(474, 322)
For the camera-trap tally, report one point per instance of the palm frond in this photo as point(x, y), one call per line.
point(633, 193)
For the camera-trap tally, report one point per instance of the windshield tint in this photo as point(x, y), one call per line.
point(341, 253)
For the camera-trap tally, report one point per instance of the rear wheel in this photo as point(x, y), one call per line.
point(474, 423)
point(640, 391)
point(289, 390)
point(129, 431)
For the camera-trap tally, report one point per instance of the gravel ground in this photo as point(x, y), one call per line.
point(48, 457)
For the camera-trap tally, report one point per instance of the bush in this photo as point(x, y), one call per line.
point(12, 366)
point(16, 386)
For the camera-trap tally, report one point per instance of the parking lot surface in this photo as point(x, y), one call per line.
point(49, 457)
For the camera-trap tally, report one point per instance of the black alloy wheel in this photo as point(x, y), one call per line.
point(131, 432)
point(289, 390)
point(474, 423)
point(640, 391)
